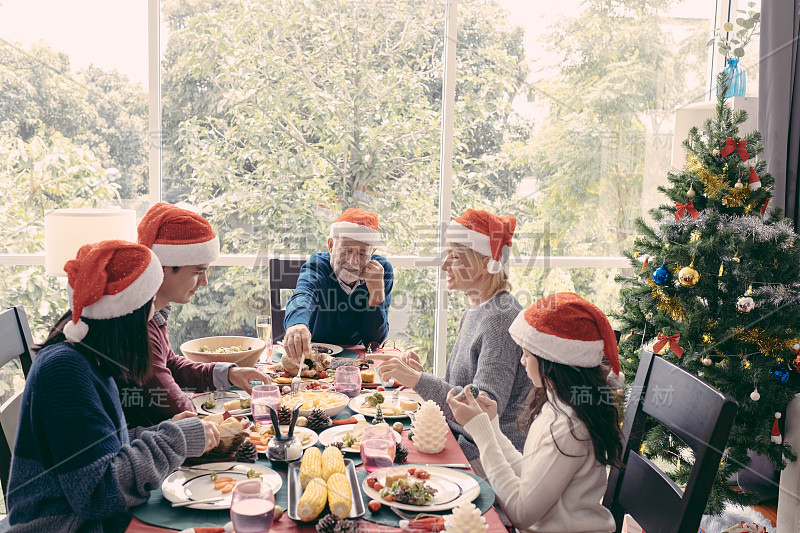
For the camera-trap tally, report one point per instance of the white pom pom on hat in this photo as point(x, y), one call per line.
point(486, 233)
point(107, 280)
point(567, 329)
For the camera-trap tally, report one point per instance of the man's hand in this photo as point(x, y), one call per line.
point(297, 342)
point(241, 376)
point(181, 416)
point(464, 408)
point(212, 435)
point(373, 278)
point(400, 371)
point(412, 360)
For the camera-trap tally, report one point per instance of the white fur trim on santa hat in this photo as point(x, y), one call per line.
point(477, 241)
point(615, 381)
point(129, 299)
point(75, 332)
point(178, 255)
point(357, 232)
point(572, 352)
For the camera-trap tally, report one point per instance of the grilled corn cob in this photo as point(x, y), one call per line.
point(311, 466)
point(339, 495)
point(332, 462)
point(313, 500)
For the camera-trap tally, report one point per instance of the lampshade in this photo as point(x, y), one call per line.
point(66, 230)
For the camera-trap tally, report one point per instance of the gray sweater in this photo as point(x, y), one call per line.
point(484, 354)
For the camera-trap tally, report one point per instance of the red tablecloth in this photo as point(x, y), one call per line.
point(451, 454)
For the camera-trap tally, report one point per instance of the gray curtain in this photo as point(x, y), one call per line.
point(779, 100)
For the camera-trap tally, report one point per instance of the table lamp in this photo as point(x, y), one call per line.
point(66, 230)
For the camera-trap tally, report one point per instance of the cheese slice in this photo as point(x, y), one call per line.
point(232, 405)
point(408, 405)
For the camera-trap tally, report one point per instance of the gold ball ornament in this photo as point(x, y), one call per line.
point(755, 396)
point(707, 361)
point(738, 185)
point(690, 194)
point(688, 276)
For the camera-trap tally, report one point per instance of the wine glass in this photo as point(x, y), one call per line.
point(252, 506)
point(261, 398)
point(264, 332)
point(377, 447)
point(347, 380)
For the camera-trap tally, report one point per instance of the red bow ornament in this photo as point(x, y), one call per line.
point(680, 209)
point(731, 145)
point(662, 341)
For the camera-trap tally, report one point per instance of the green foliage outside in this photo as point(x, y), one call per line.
point(739, 254)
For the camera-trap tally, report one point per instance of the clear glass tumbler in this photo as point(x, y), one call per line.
point(252, 507)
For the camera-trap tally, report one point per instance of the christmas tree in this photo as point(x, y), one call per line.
point(715, 292)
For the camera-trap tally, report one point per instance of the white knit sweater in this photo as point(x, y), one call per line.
point(544, 490)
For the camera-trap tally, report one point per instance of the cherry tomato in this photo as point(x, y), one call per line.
point(374, 506)
point(380, 388)
point(377, 486)
point(371, 482)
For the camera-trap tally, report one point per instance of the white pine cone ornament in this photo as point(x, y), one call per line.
point(466, 518)
point(430, 428)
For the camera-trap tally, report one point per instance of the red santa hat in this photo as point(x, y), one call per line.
point(485, 233)
point(565, 328)
point(108, 280)
point(755, 181)
point(178, 236)
point(775, 435)
point(359, 225)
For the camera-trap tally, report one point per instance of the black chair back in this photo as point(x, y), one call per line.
point(283, 274)
point(16, 345)
point(692, 410)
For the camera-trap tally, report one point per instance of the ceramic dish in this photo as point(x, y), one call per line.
point(221, 397)
point(336, 433)
point(453, 488)
point(195, 483)
point(357, 404)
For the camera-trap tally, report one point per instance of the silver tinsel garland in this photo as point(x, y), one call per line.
point(777, 295)
point(747, 227)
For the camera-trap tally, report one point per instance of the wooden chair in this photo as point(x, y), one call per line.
point(692, 410)
point(283, 274)
point(16, 336)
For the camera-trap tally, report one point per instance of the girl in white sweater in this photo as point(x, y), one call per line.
point(557, 483)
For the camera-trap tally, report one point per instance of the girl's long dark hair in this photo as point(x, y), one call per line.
point(596, 404)
point(118, 347)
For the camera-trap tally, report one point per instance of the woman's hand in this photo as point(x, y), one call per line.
point(181, 416)
point(412, 360)
point(488, 405)
point(212, 435)
point(397, 369)
point(465, 407)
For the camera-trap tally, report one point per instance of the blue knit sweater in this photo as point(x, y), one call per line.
point(332, 315)
point(75, 466)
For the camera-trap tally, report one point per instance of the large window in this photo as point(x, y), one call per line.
point(279, 114)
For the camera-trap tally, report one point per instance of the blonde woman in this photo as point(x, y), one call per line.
point(479, 246)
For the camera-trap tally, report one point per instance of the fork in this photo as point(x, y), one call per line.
point(201, 469)
point(296, 381)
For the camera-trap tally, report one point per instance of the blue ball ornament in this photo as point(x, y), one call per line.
point(661, 276)
point(781, 375)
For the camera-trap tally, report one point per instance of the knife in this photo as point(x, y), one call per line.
point(454, 465)
point(192, 502)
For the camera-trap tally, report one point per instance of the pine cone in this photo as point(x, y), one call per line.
point(318, 419)
point(346, 526)
point(246, 452)
point(284, 415)
point(400, 453)
point(327, 524)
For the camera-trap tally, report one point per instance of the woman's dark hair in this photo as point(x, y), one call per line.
point(118, 347)
point(594, 402)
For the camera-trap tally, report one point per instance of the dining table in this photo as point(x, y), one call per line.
point(157, 515)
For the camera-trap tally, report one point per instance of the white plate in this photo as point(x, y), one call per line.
point(356, 403)
point(278, 349)
point(453, 488)
point(221, 396)
point(336, 433)
point(195, 483)
point(299, 432)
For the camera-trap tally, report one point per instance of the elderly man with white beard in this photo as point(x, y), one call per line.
point(342, 296)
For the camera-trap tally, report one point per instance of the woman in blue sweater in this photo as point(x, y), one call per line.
point(75, 466)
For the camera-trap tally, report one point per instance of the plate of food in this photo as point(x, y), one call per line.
point(367, 404)
point(329, 401)
point(421, 488)
point(214, 480)
point(211, 403)
point(349, 435)
point(329, 349)
point(261, 435)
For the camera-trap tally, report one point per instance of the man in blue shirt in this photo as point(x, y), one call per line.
point(343, 296)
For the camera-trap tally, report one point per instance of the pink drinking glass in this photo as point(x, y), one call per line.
point(252, 507)
point(347, 380)
point(262, 397)
point(377, 447)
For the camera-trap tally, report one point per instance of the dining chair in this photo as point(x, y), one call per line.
point(696, 413)
point(283, 275)
point(16, 346)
